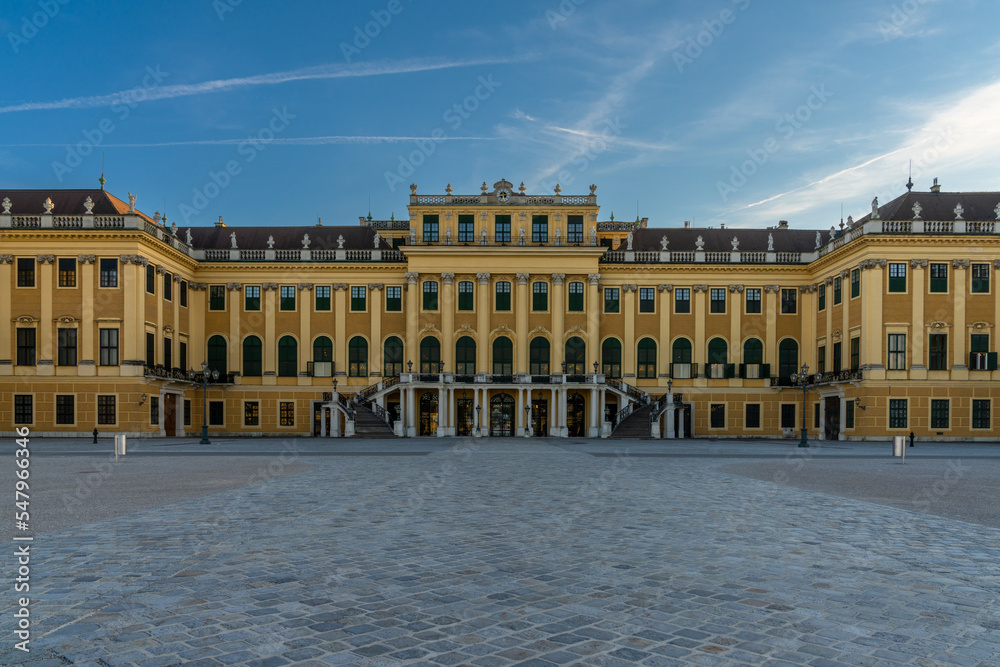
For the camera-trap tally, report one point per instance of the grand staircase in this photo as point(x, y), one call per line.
point(635, 426)
point(368, 425)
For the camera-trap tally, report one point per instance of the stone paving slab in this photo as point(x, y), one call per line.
point(515, 552)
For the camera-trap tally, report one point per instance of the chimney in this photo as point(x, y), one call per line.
point(782, 224)
point(220, 223)
point(687, 224)
point(722, 226)
point(935, 188)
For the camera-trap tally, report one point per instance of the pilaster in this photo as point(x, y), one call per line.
point(412, 351)
point(448, 321)
point(663, 347)
point(558, 307)
point(521, 325)
point(484, 306)
point(46, 356)
point(375, 348)
point(593, 320)
point(629, 344)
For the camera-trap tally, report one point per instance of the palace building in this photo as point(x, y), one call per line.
point(500, 313)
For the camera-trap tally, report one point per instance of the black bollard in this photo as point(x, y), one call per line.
point(911, 438)
point(95, 436)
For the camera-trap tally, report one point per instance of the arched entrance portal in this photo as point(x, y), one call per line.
point(428, 413)
point(502, 415)
point(576, 417)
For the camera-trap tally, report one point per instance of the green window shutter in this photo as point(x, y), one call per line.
point(991, 361)
point(765, 371)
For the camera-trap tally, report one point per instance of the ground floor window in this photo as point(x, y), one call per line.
point(980, 413)
point(216, 415)
point(65, 409)
point(939, 413)
point(788, 415)
point(718, 415)
point(251, 413)
point(849, 415)
point(23, 408)
point(154, 411)
point(897, 413)
point(286, 415)
point(187, 413)
point(753, 415)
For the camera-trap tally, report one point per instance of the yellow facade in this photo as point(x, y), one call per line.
point(489, 296)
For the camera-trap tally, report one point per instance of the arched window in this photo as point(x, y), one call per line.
point(611, 358)
point(539, 356)
point(576, 356)
point(322, 360)
point(465, 356)
point(718, 355)
point(680, 359)
point(753, 359)
point(252, 356)
point(788, 357)
point(503, 356)
point(357, 357)
point(288, 357)
point(217, 351)
point(430, 355)
point(392, 361)
point(646, 367)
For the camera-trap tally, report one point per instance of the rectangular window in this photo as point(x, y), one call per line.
point(611, 300)
point(574, 229)
point(821, 298)
point(187, 413)
point(848, 414)
point(466, 298)
point(979, 353)
point(323, 297)
point(788, 415)
point(106, 410)
point(150, 279)
point(718, 415)
point(109, 347)
point(182, 355)
point(897, 352)
point(576, 297)
point(539, 297)
point(539, 229)
point(168, 352)
point(25, 347)
point(838, 359)
point(430, 229)
point(65, 410)
point(789, 301)
point(66, 355)
point(939, 278)
point(501, 229)
point(150, 349)
point(856, 353)
point(359, 299)
point(286, 414)
point(184, 294)
point(216, 413)
point(682, 300)
point(168, 287)
point(25, 272)
point(251, 413)
point(466, 228)
point(154, 410)
point(939, 413)
point(980, 413)
point(897, 413)
point(937, 359)
point(647, 299)
point(753, 300)
point(752, 415)
point(855, 283)
point(897, 277)
point(67, 272)
point(23, 408)
point(251, 297)
point(430, 295)
point(717, 300)
point(821, 359)
point(836, 290)
point(394, 299)
point(287, 297)
point(980, 278)
point(503, 295)
point(109, 273)
point(217, 297)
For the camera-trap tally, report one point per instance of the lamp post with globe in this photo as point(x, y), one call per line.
point(802, 380)
point(205, 374)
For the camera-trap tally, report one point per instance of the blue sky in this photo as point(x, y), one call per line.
point(729, 111)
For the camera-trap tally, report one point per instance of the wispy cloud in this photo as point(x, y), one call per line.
point(520, 115)
point(328, 71)
point(276, 141)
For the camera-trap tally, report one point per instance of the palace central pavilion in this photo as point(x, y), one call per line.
point(498, 314)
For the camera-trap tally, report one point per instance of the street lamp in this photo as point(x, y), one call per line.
point(527, 418)
point(205, 374)
point(479, 412)
point(802, 379)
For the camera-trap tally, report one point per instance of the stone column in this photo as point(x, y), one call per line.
point(197, 343)
point(558, 309)
point(593, 321)
point(411, 421)
point(595, 430)
point(563, 413)
point(700, 351)
point(375, 308)
point(177, 331)
point(917, 333)
point(808, 307)
point(45, 361)
point(735, 308)
point(412, 345)
point(629, 343)
point(521, 325)
point(399, 427)
point(442, 428)
point(340, 309)
point(6, 344)
point(85, 352)
point(134, 327)
point(670, 433)
point(161, 271)
point(872, 288)
point(305, 305)
point(960, 361)
point(235, 303)
point(663, 346)
point(270, 292)
point(448, 321)
point(771, 326)
point(484, 306)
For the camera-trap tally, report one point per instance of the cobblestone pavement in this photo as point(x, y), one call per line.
point(516, 552)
